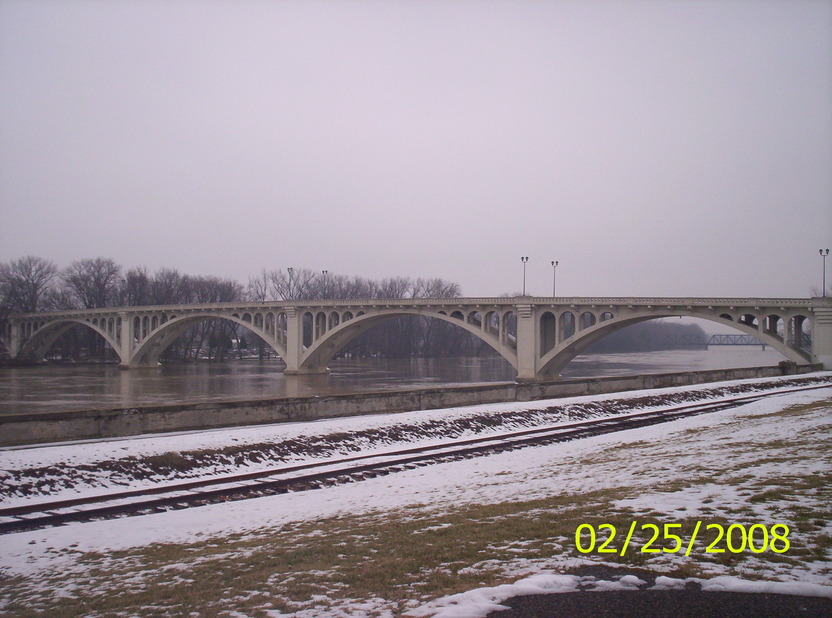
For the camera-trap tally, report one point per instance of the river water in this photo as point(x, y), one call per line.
point(68, 387)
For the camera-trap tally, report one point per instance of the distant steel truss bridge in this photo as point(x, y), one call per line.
point(721, 339)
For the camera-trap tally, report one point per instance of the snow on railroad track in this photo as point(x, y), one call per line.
point(65, 471)
point(704, 466)
point(356, 468)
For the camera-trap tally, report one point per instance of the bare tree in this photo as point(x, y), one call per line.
point(357, 288)
point(288, 284)
point(214, 290)
point(395, 287)
point(60, 298)
point(25, 282)
point(435, 288)
point(5, 308)
point(136, 288)
point(294, 284)
point(169, 287)
point(258, 287)
point(93, 281)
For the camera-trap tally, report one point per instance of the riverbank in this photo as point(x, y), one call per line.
point(446, 537)
point(32, 428)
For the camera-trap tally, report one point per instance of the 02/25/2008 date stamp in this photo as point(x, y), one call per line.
point(667, 538)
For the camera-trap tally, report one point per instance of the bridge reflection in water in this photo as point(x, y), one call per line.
point(75, 387)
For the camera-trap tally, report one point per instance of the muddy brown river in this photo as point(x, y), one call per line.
point(74, 387)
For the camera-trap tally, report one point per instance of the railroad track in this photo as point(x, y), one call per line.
point(356, 468)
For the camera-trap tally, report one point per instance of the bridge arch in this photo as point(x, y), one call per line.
point(548, 331)
point(566, 325)
point(554, 361)
point(536, 336)
point(323, 349)
point(149, 349)
point(42, 336)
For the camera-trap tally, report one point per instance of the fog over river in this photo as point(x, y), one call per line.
point(76, 387)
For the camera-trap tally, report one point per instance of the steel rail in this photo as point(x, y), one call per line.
point(323, 473)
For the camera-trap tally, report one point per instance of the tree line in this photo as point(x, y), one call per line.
point(646, 337)
point(31, 284)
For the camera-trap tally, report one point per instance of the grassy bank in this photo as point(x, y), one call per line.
point(397, 559)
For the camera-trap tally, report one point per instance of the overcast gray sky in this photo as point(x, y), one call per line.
point(653, 148)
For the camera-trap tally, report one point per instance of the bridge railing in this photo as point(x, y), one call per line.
point(614, 301)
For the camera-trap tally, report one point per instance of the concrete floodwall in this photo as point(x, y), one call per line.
point(91, 424)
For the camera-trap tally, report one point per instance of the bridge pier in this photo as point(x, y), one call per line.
point(822, 336)
point(125, 339)
point(294, 341)
point(549, 332)
point(526, 344)
point(15, 340)
point(294, 346)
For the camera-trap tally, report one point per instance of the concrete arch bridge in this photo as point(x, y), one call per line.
point(537, 336)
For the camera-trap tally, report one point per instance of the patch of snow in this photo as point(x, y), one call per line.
point(706, 447)
point(45, 473)
point(479, 602)
point(628, 582)
point(669, 583)
point(482, 601)
point(727, 583)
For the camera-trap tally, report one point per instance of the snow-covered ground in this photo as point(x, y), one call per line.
point(31, 474)
point(715, 466)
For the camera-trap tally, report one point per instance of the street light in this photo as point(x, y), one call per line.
point(823, 255)
point(524, 260)
point(554, 276)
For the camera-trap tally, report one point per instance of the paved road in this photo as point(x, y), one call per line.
point(663, 603)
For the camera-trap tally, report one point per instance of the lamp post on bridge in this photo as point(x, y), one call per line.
point(823, 255)
point(524, 260)
point(554, 277)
